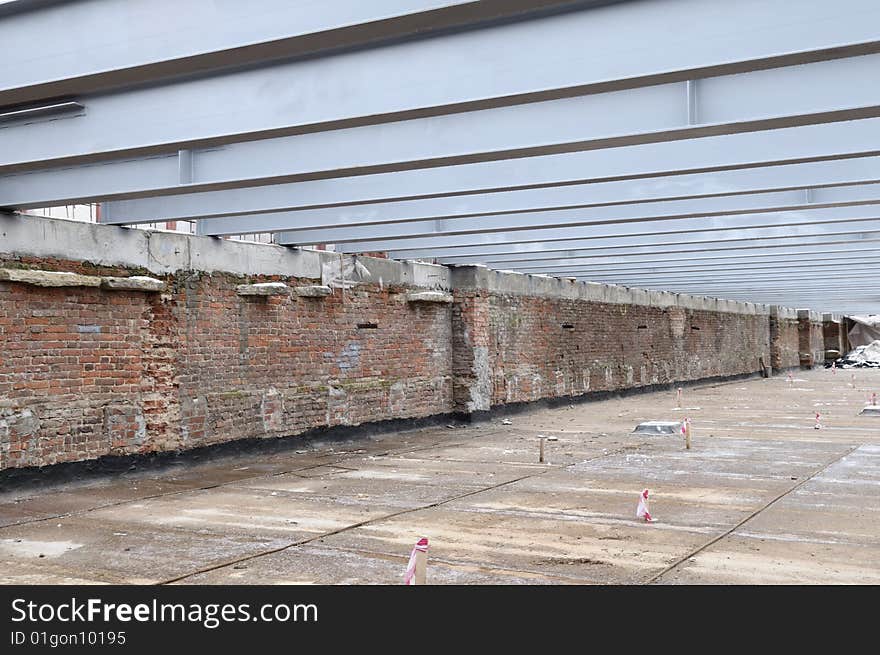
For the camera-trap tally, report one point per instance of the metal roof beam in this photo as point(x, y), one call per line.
point(318, 226)
point(332, 157)
point(133, 42)
point(854, 264)
point(867, 215)
point(358, 200)
point(534, 76)
point(760, 246)
point(686, 259)
point(864, 273)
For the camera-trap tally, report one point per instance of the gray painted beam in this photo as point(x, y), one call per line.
point(852, 264)
point(782, 219)
point(762, 246)
point(427, 194)
point(769, 287)
point(689, 258)
point(760, 204)
point(46, 55)
point(844, 273)
point(793, 289)
point(390, 220)
point(710, 241)
point(803, 286)
point(534, 62)
point(329, 156)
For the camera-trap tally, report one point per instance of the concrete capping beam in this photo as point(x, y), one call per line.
point(133, 283)
point(162, 253)
point(263, 289)
point(49, 278)
point(514, 283)
point(429, 296)
point(832, 318)
point(313, 291)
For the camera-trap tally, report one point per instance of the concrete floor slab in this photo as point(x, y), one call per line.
point(316, 564)
point(625, 551)
point(760, 560)
point(329, 488)
point(762, 497)
point(102, 550)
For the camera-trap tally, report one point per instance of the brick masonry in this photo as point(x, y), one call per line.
point(811, 338)
point(834, 334)
point(544, 348)
point(784, 339)
point(89, 371)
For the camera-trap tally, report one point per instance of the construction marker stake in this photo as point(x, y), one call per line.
point(416, 569)
point(687, 433)
point(818, 425)
point(874, 398)
point(833, 368)
point(678, 397)
point(790, 380)
point(642, 509)
point(541, 451)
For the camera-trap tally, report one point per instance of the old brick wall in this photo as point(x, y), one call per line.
point(252, 367)
point(811, 340)
point(832, 334)
point(73, 364)
point(547, 347)
point(87, 372)
point(91, 371)
point(784, 343)
point(817, 342)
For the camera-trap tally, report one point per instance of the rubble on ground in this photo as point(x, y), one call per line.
point(860, 357)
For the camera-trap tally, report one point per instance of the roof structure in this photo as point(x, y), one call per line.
point(722, 149)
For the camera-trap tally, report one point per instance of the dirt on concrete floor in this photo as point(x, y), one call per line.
point(761, 497)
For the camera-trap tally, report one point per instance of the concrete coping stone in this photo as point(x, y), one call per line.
point(504, 283)
point(263, 289)
point(809, 315)
point(777, 311)
point(133, 283)
point(429, 296)
point(313, 291)
point(870, 410)
point(49, 278)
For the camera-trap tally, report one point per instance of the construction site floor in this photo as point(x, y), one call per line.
point(762, 497)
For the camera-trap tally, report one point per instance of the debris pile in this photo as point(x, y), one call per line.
point(860, 357)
